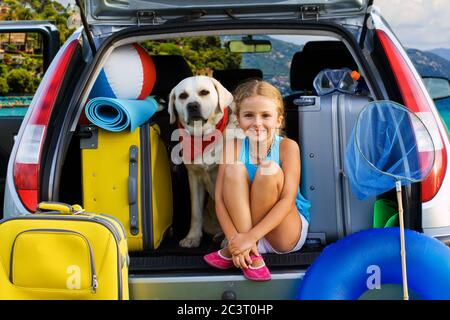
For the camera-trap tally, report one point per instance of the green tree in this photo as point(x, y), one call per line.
point(36, 5)
point(21, 81)
point(49, 12)
point(11, 48)
point(24, 14)
point(3, 70)
point(7, 58)
point(40, 10)
point(4, 88)
point(27, 80)
point(199, 52)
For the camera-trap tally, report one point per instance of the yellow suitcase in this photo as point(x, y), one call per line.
point(63, 254)
point(127, 175)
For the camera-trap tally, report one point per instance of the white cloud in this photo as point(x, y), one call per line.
point(422, 24)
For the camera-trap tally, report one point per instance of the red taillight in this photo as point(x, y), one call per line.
point(28, 158)
point(415, 100)
point(26, 185)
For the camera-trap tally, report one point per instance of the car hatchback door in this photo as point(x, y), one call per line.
point(127, 12)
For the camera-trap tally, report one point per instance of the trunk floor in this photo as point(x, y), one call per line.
point(171, 257)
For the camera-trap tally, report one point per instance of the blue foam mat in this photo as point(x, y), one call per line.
point(119, 114)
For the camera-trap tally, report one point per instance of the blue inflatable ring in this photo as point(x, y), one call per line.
point(342, 271)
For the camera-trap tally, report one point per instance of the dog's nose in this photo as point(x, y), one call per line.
point(193, 107)
point(194, 111)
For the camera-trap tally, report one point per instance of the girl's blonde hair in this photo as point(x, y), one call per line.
point(263, 88)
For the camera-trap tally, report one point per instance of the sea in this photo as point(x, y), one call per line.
point(443, 106)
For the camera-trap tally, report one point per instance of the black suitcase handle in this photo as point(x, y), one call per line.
point(133, 190)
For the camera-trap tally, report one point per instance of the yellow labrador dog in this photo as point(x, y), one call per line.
point(201, 107)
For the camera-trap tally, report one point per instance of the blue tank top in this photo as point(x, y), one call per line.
point(302, 204)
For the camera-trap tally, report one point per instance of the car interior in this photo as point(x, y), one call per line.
point(311, 120)
point(231, 78)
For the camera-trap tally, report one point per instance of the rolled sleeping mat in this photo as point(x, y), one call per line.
point(119, 114)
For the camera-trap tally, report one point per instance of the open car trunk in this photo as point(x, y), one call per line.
point(321, 127)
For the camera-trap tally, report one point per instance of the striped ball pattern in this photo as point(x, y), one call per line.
point(129, 73)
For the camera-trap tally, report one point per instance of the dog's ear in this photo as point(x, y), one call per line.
point(225, 96)
point(171, 106)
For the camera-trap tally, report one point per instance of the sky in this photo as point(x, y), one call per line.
point(420, 24)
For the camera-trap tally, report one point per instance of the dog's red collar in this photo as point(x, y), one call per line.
point(192, 150)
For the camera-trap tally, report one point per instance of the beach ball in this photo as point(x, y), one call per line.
point(129, 73)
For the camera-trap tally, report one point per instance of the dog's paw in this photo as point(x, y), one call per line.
point(189, 242)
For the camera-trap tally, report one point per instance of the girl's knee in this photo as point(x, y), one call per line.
point(270, 175)
point(235, 171)
point(269, 170)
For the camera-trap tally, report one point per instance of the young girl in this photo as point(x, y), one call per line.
point(258, 200)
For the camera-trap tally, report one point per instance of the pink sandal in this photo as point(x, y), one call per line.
point(260, 273)
point(218, 260)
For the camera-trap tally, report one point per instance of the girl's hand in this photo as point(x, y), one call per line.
point(242, 260)
point(240, 243)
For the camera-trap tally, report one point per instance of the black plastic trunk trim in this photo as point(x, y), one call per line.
point(86, 27)
point(146, 188)
point(362, 38)
point(56, 122)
